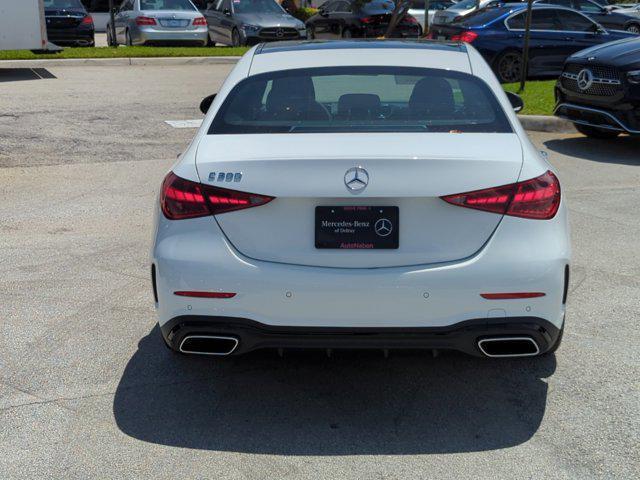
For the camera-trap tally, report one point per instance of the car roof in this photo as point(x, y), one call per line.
point(307, 45)
point(335, 53)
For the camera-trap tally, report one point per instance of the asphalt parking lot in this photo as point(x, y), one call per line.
point(87, 389)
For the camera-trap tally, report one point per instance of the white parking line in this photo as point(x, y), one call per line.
point(184, 123)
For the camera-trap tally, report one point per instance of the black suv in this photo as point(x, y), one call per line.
point(599, 89)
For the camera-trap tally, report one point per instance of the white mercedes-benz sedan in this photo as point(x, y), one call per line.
point(374, 194)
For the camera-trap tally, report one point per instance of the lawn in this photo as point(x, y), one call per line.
point(538, 96)
point(125, 52)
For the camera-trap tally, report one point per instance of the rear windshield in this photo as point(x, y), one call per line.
point(360, 99)
point(483, 16)
point(166, 5)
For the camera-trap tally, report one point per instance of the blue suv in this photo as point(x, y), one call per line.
point(498, 34)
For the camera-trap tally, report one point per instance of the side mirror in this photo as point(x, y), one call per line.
point(323, 13)
point(516, 101)
point(227, 12)
point(206, 102)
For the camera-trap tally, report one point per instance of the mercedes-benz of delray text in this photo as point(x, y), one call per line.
point(361, 194)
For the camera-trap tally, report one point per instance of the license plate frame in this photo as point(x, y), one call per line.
point(359, 227)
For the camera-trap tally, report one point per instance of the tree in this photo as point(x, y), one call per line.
point(525, 49)
point(112, 24)
point(425, 31)
point(399, 11)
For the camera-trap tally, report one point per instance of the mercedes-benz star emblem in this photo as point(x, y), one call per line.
point(356, 179)
point(585, 79)
point(383, 227)
point(279, 33)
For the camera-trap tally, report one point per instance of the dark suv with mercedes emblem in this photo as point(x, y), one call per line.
point(599, 89)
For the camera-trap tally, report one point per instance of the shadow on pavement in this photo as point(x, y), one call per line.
point(622, 150)
point(18, 74)
point(355, 403)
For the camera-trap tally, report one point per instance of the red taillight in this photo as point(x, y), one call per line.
point(367, 20)
point(511, 295)
point(145, 21)
point(200, 22)
point(408, 19)
point(538, 198)
point(205, 294)
point(88, 20)
point(180, 199)
point(467, 36)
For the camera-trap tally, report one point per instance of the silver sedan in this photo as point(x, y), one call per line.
point(159, 22)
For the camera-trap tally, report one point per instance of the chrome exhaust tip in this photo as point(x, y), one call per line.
point(501, 347)
point(208, 345)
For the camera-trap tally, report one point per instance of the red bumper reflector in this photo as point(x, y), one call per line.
point(510, 296)
point(205, 294)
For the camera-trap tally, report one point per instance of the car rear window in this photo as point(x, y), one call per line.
point(166, 5)
point(360, 99)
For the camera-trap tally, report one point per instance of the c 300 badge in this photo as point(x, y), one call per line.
point(226, 177)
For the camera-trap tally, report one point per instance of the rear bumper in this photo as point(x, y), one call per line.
point(71, 37)
point(150, 36)
point(462, 337)
point(401, 31)
point(521, 256)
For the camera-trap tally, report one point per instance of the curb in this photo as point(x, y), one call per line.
point(77, 62)
point(545, 123)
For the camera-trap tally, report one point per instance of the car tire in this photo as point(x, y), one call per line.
point(346, 33)
point(235, 38)
point(594, 132)
point(127, 38)
point(633, 28)
point(508, 66)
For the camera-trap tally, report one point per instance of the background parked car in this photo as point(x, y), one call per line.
point(615, 20)
point(556, 33)
point(417, 9)
point(346, 19)
point(68, 23)
point(159, 22)
point(247, 22)
point(632, 11)
point(599, 89)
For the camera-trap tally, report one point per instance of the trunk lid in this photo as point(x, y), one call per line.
point(63, 18)
point(408, 171)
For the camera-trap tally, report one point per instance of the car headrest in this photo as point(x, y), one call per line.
point(358, 105)
point(290, 89)
point(432, 95)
